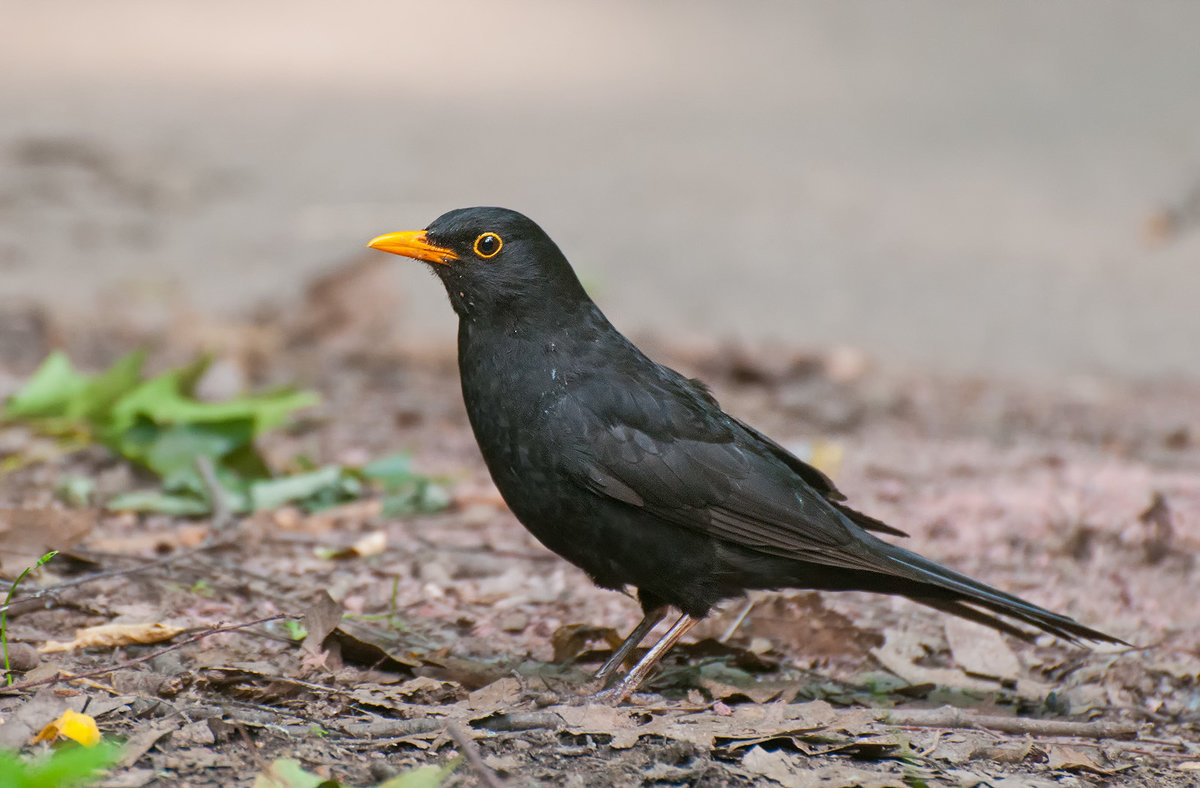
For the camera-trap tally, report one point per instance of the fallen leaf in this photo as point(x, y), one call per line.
point(902, 650)
point(502, 693)
point(980, 651)
point(109, 635)
point(771, 764)
point(1072, 759)
point(794, 772)
point(287, 773)
point(27, 534)
point(571, 640)
point(365, 645)
point(319, 620)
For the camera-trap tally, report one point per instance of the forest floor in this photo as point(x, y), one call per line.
point(387, 641)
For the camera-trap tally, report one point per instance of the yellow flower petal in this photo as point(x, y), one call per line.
point(71, 725)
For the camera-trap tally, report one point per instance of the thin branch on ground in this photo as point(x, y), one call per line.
point(60, 677)
point(949, 717)
point(471, 753)
point(737, 622)
point(133, 570)
point(222, 513)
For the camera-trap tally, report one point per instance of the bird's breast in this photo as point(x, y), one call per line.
point(511, 388)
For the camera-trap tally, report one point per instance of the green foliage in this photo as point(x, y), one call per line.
point(159, 424)
point(295, 630)
point(288, 773)
point(63, 767)
point(405, 492)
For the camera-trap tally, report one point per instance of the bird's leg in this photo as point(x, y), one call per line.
point(649, 621)
point(635, 677)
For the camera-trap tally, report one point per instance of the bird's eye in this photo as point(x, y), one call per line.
point(488, 245)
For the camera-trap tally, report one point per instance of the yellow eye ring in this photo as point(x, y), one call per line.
point(488, 245)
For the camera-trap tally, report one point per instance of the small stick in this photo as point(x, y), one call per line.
point(949, 717)
point(62, 676)
point(486, 776)
point(521, 721)
point(738, 621)
point(222, 514)
point(133, 570)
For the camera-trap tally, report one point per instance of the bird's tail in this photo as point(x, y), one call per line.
point(960, 595)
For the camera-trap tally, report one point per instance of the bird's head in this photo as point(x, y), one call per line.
point(494, 262)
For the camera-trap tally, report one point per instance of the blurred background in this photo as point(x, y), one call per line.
point(1006, 188)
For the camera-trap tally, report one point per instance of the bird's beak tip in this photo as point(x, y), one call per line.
point(414, 244)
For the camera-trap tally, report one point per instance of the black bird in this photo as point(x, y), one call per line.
point(633, 473)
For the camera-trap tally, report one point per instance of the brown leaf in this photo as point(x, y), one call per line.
point(571, 640)
point(364, 645)
point(373, 543)
point(421, 690)
point(319, 620)
point(109, 635)
point(795, 771)
point(1072, 759)
point(980, 651)
point(799, 623)
point(500, 694)
point(901, 651)
point(28, 534)
point(471, 673)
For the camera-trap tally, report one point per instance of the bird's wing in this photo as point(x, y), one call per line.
point(819, 482)
point(677, 455)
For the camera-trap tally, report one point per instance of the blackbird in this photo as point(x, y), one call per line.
point(633, 473)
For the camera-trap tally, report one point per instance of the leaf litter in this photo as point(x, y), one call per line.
point(420, 621)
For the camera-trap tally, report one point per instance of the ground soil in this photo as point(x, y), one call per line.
point(463, 635)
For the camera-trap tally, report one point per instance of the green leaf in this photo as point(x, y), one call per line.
point(102, 391)
point(49, 392)
point(288, 773)
point(175, 504)
point(422, 776)
point(71, 765)
point(75, 490)
point(174, 449)
point(273, 493)
point(163, 400)
point(419, 496)
point(390, 469)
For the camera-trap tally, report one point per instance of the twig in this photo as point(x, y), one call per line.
point(737, 622)
point(49, 590)
point(63, 676)
point(222, 514)
point(390, 727)
point(949, 717)
point(520, 721)
point(486, 776)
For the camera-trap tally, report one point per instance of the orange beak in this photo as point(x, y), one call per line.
point(414, 244)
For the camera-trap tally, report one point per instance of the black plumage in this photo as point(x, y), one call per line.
point(633, 473)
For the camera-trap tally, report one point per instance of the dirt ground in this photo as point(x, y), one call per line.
point(462, 635)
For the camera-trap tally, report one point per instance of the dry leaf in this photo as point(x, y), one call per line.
point(772, 764)
point(981, 651)
point(1072, 759)
point(28, 534)
point(571, 640)
point(500, 694)
point(793, 771)
point(902, 649)
point(319, 620)
point(108, 635)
